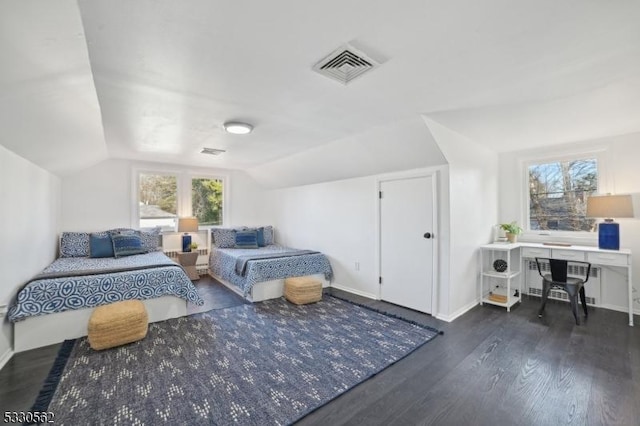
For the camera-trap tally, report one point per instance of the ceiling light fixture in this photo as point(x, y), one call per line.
point(237, 128)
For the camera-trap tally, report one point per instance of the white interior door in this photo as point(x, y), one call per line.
point(406, 242)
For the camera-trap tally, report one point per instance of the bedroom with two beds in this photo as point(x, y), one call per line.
point(104, 267)
point(227, 364)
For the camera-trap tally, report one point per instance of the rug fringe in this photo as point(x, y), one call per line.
point(389, 314)
point(55, 374)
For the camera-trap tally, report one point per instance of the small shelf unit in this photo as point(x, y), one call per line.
point(505, 286)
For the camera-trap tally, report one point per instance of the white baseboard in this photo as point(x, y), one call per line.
point(6, 356)
point(617, 308)
point(354, 291)
point(459, 312)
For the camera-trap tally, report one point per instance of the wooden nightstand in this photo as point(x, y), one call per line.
point(188, 263)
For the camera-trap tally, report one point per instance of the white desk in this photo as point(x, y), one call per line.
point(597, 257)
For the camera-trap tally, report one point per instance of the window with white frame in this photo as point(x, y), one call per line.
point(206, 200)
point(163, 197)
point(157, 200)
point(558, 192)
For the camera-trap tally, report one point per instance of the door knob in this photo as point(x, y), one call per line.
point(427, 235)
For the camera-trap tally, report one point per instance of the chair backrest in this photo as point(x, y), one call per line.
point(559, 268)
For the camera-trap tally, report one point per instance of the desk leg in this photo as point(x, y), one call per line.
point(630, 283)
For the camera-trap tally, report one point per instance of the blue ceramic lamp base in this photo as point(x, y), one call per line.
point(609, 235)
point(186, 243)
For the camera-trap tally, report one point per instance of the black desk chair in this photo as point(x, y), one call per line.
point(558, 278)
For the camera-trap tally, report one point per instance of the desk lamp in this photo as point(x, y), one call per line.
point(186, 225)
point(609, 206)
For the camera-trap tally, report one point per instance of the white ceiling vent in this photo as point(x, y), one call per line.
point(345, 64)
point(212, 151)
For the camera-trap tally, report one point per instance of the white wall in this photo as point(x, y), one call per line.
point(336, 218)
point(620, 176)
point(473, 211)
point(100, 197)
point(30, 213)
point(339, 219)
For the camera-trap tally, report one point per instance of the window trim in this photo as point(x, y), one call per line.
point(600, 154)
point(225, 196)
point(183, 178)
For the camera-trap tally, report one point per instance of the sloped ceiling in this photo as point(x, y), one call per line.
point(509, 75)
point(49, 111)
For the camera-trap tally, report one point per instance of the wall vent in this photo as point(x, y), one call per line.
point(345, 64)
point(212, 151)
point(577, 270)
point(558, 295)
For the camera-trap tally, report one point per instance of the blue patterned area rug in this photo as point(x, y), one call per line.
point(261, 364)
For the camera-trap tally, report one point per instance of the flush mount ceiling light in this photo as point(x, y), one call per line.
point(237, 127)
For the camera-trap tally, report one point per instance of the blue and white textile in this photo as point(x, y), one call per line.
point(143, 276)
point(222, 263)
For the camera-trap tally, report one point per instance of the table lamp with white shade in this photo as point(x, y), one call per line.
point(186, 225)
point(608, 207)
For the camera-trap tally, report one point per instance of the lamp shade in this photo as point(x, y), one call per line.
point(609, 206)
point(188, 224)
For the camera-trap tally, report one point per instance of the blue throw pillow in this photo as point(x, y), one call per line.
point(100, 245)
point(260, 237)
point(223, 237)
point(127, 245)
point(268, 235)
point(247, 239)
point(74, 244)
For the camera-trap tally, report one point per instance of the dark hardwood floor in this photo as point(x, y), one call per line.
point(489, 368)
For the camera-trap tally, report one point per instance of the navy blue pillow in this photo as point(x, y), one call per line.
point(247, 239)
point(260, 237)
point(127, 245)
point(100, 245)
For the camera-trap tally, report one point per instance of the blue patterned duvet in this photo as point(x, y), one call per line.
point(222, 263)
point(143, 276)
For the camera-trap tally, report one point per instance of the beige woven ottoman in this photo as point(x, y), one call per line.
point(302, 290)
point(117, 324)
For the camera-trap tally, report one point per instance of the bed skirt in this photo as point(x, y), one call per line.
point(44, 330)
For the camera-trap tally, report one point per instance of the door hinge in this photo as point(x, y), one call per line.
point(379, 280)
point(380, 194)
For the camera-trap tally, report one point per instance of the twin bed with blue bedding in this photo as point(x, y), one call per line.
point(81, 282)
point(56, 304)
point(258, 273)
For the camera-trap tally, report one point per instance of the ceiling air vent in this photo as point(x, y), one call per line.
point(212, 151)
point(345, 64)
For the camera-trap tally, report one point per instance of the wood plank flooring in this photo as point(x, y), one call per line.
point(489, 368)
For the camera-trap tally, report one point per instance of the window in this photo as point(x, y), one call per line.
point(157, 200)
point(206, 200)
point(558, 192)
point(163, 197)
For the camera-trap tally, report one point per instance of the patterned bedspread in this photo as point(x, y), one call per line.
point(145, 276)
point(222, 263)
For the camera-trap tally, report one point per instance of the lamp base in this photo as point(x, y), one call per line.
point(186, 243)
point(609, 236)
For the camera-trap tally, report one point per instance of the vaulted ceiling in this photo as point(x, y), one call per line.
point(155, 80)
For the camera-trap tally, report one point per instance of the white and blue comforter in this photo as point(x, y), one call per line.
point(81, 282)
point(222, 263)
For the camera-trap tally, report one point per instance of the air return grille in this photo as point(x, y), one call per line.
point(577, 270)
point(345, 64)
point(558, 295)
point(212, 151)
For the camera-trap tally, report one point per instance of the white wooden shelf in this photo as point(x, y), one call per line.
point(506, 283)
point(501, 274)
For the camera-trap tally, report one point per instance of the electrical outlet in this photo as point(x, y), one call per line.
point(357, 266)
